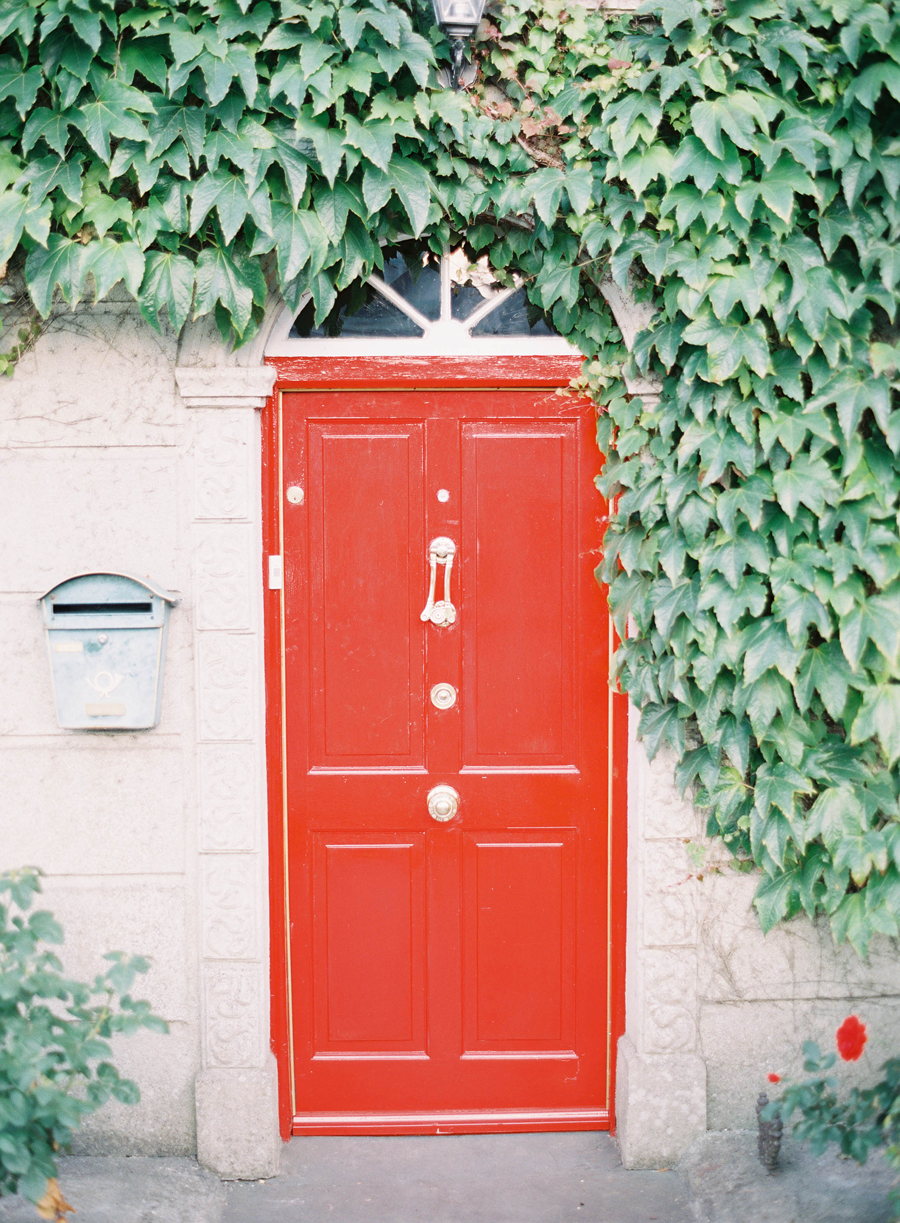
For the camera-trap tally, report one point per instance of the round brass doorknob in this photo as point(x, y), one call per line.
point(443, 803)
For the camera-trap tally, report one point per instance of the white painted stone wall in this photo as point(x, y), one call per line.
point(92, 476)
point(124, 449)
point(152, 842)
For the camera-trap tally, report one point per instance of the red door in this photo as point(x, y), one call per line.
point(445, 973)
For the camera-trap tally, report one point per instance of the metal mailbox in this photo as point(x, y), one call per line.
point(106, 635)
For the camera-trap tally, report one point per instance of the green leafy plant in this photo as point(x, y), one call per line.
point(736, 163)
point(54, 1042)
point(867, 1119)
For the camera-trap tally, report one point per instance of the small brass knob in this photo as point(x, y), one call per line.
point(443, 696)
point(443, 803)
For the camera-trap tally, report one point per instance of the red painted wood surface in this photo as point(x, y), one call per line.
point(443, 977)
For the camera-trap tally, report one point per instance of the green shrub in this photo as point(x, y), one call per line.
point(54, 1039)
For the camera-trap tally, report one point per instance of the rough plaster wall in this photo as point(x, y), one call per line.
point(92, 477)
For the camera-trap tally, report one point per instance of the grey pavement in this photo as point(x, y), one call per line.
point(727, 1184)
point(479, 1178)
point(460, 1178)
point(130, 1189)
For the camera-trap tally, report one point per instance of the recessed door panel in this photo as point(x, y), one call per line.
point(519, 491)
point(447, 962)
point(368, 919)
point(367, 657)
point(520, 942)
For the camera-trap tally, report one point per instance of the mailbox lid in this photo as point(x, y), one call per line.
point(108, 600)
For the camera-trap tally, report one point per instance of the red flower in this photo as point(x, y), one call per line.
point(851, 1038)
point(774, 1078)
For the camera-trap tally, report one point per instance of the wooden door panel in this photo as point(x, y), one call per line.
point(368, 914)
point(367, 653)
point(519, 932)
point(519, 497)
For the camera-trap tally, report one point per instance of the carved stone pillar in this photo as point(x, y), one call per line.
point(660, 1073)
point(236, 1091)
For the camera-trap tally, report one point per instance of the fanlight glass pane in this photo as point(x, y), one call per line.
point(417, 283)
point(359, 311)
point(465, 300)
point(515, 316)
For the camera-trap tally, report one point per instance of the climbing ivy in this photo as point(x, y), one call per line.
point(737, 163)
point(756, 548)
point(203, 152)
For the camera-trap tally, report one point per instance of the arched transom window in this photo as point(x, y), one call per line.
point(422, 304)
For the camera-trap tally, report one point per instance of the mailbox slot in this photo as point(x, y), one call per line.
point(87, 609)
point(106, 636)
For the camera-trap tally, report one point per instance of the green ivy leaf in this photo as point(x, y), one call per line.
point(62, 264)
point(219, 279)
point(773, 897)
point(19, 84)
point(766, 644)
point(168, 285)
point(329, 146)
point(110, 261)
point(374, 140)
point(879, 717)
point(558, 284)
point(776, 786)
point(300, 240)
point(113, 115)
point(18, 215)
point(412, 183)
point(806, 482)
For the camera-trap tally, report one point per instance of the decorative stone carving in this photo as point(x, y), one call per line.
point(222, 459)
point(669, 991)
point(228, 794)
point(222, 576)
point(230, 884)
point(667, 815)
point(232, 1001)
point(225, 669)
point(669, 896)
point(237, 1134)
point(661, 1079)
point(631, 316)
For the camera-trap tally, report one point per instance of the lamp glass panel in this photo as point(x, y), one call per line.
point(456, 13)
